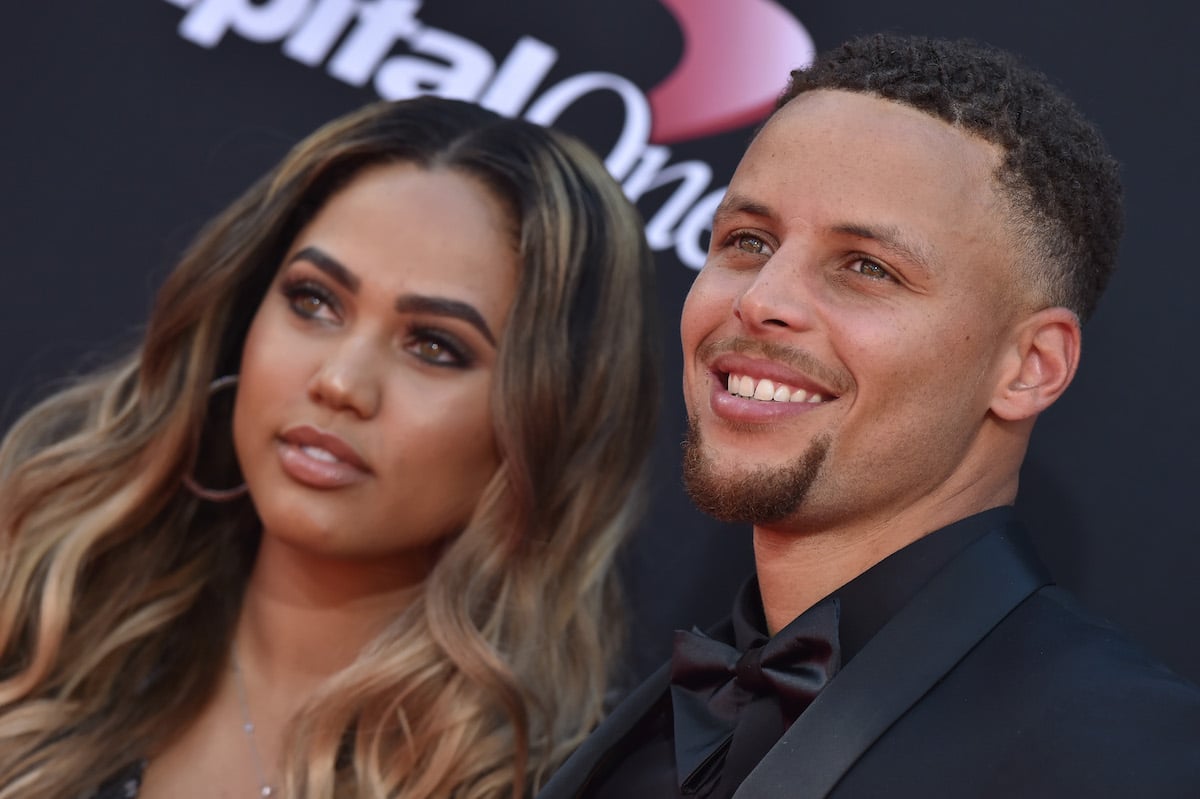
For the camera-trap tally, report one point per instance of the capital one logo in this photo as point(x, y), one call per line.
point(736, 59)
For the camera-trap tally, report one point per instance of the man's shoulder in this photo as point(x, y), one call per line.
point(1052, 670)
point(1054, 700)
point(1064, 647)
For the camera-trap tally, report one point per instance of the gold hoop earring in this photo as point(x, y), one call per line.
point(190, 482)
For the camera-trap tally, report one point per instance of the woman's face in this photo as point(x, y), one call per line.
point(362, 423)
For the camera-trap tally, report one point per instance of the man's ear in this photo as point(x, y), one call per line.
point(1040, 366)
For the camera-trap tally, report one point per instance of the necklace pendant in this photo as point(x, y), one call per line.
point(267, 790)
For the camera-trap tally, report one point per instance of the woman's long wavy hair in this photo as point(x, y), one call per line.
point(119, 589)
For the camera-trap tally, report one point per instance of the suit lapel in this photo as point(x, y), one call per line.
point(952, 613)
point(577, 771)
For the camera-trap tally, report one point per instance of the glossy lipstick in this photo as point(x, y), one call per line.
point(319, 459)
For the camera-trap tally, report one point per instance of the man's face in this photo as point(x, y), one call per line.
point(841, 345)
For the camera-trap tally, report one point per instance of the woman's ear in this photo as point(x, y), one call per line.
point(1041, 365)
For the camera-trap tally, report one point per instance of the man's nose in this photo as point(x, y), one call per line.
point(778, 296)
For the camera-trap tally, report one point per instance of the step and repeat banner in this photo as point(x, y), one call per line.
point(128, 123)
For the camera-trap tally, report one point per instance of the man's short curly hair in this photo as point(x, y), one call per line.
point(1056, 172)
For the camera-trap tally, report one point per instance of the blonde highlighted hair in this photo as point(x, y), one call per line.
point(119, 590)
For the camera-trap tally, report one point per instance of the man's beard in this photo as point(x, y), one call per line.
point(762, 496)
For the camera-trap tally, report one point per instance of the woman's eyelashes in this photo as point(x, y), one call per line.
point(310, 300)
point(438, 347)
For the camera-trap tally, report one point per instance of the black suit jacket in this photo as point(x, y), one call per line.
point(990, 683)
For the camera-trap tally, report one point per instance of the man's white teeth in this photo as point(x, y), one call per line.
point(316, 453)
point(768, 390)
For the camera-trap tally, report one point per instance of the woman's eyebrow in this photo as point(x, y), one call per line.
point(329, 265)
point(408, 303)
point(443, 306)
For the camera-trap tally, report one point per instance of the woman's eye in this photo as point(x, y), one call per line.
point(310, 302)
point(437, 349)
point(872, 269)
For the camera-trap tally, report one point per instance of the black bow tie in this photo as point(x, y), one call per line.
point(716, 689)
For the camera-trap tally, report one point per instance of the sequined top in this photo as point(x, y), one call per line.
point(125, 784)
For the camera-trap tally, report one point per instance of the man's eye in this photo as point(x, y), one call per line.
point(749, 243)
point(869, 268)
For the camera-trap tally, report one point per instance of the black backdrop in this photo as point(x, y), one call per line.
point(122, 135)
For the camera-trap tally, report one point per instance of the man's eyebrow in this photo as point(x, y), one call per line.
point(443, 306)
point(329, 265)
point(740, 204)
point(892, 239)
point(889, 237)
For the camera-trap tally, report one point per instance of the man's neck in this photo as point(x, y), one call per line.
point(798, 569)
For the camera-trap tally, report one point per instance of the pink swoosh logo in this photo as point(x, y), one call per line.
point(736, 61)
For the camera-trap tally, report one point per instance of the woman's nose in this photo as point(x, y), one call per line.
point(347, 379)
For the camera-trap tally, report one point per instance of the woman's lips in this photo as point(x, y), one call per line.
point(319, 459)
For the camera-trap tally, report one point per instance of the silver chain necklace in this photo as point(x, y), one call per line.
point(265, 788)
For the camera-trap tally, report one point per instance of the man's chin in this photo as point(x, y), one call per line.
point(761, 495)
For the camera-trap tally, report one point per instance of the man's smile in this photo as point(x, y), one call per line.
point(768, 390)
